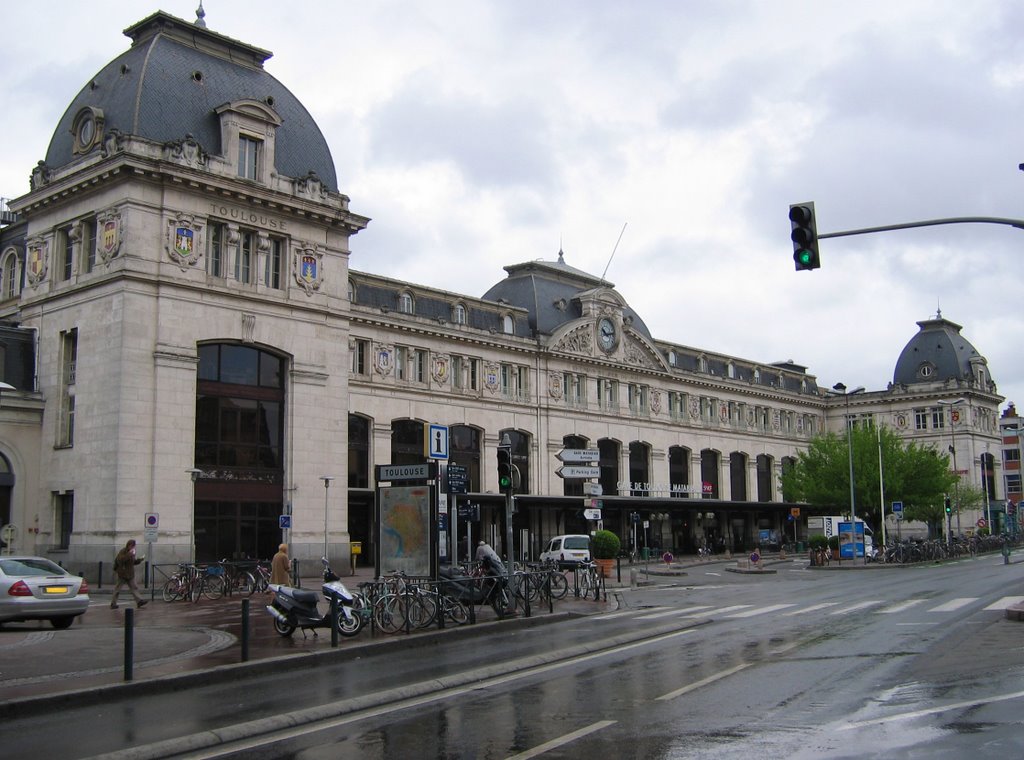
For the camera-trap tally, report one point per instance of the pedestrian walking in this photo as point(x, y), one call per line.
point(124, 569)
point(280, 566)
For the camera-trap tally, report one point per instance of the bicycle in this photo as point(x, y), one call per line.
point(403, 606)
point(207, 581)
point(237, 580)
point(588, 579)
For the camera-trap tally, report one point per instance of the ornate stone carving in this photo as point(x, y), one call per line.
point(578, 341)
point(188, 152)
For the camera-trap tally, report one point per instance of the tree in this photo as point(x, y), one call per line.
point(919, 476)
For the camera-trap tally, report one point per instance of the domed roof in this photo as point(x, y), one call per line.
point(171, 82)
point(938, 353)
point(549, 291)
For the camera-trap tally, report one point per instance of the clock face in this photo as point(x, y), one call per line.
point(607, 336)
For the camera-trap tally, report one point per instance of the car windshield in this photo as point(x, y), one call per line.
point(30, 566)
point(577, 542)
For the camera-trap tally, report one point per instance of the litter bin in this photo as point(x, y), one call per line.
point(645, 553)
point(799, 547)
point(356, 549)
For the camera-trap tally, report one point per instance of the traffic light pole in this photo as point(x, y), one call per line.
point(1018, 223)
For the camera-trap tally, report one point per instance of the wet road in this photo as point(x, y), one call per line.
point(906, 662)
point(902, 663)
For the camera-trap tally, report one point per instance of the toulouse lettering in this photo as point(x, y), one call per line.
point(248, 217)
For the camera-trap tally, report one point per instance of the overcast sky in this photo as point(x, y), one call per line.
point(478, 134)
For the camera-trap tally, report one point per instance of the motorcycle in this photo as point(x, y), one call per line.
point(300, 608)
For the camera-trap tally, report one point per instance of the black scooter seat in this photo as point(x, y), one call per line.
point(304, 596)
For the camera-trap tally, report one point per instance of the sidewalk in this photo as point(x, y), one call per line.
point(176, 638)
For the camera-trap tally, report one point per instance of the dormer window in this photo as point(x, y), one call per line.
point(405, 303)
point(248, 131)
point(459, 314)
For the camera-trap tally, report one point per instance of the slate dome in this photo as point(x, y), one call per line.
point(170, 82)
point(938, 353)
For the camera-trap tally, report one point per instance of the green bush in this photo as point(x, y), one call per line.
point(817, 542)
point(606, 545)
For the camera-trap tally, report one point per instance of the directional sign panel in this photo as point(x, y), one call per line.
point(578, 455)
point(578, 472)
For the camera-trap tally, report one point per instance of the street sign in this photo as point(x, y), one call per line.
point(578, 455)
point(595, 489)
point(592, 514)
point(392, 472)
point(436, 443)
point(152, 520)
point(794, 511)
point(284, 522)
point(150, 535)
point(578, 472)
point(469, 511)
point(982, 522)
point(458, 479)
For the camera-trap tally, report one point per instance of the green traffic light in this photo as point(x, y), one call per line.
point(804, 257)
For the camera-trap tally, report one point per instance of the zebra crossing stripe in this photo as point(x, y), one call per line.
point(954, 604)
point(812, 608)
point(856, 607)
point(1005, 602)
point(761, 610)
point(899, 607)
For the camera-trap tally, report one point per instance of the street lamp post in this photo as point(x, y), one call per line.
point(952, 450)
point(327, 487)
point(841, 388)
point(194, 474)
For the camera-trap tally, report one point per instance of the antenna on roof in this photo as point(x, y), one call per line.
point(614, 250)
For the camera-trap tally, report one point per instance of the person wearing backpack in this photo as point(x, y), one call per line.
point(124, 569)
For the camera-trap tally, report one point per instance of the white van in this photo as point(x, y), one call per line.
point(567, 551)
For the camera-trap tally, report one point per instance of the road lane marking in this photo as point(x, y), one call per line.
point(540, 749)
point(282, 727)
point(761, 610)
point(1005, 602)
point(812, 608)
point(931, 711)
point(954, 604)
point(704, 681)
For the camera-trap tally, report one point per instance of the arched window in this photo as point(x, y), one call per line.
point(609, 464)
point(639, 468)
point(679, 471)
point(9, 276)
point(709, 474)
point(239, 443)
point(459, 314)
point(738, 476)
point(359, 428)
point(507, 324)
point(573, 486)
point(765, 466)
point(464, 444)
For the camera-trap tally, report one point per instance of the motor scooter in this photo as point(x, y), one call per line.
point(300, 608)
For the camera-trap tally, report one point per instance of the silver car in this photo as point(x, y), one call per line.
point(34, 588)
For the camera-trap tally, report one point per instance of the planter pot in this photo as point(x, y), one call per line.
point(607, 567)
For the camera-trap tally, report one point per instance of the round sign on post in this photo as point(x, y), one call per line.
point(152, 519)
point(982, 522)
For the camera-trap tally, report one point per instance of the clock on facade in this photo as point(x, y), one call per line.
point(607, 335)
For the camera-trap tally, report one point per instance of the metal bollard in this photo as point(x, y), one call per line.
point(245, 630)
point(334, 620)
point(129, 642)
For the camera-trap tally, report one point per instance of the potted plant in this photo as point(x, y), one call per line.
point(606, 549)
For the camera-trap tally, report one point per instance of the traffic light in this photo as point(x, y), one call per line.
point(804, 235)
point(505, 482)
point(949, 506)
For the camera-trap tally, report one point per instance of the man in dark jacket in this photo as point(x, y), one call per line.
point(124, 569)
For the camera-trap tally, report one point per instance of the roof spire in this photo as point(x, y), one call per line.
point(200, 15)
